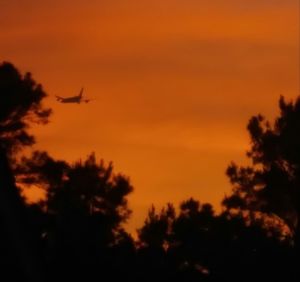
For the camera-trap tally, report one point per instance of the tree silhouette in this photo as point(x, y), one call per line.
point(271, 184)
point(77, 228)
point(20, 106)
point(156, 229)
point(175, 247)
point(86, 206)
point(76, 231)
point(198, 245)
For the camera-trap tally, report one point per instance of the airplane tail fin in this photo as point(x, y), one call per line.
point(58, 98)
point(81, 92)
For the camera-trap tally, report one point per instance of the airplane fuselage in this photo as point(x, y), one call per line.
point(74, 99)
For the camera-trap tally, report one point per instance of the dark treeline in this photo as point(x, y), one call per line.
point(76, 231)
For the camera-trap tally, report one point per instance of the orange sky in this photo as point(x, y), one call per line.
point(174, 83)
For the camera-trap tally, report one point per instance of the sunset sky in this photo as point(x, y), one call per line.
point(174, 83)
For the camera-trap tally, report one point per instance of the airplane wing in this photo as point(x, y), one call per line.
point(58, 98)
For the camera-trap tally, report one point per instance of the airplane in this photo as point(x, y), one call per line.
point(74, 99)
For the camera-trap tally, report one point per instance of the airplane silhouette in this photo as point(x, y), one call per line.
point(74, 99)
